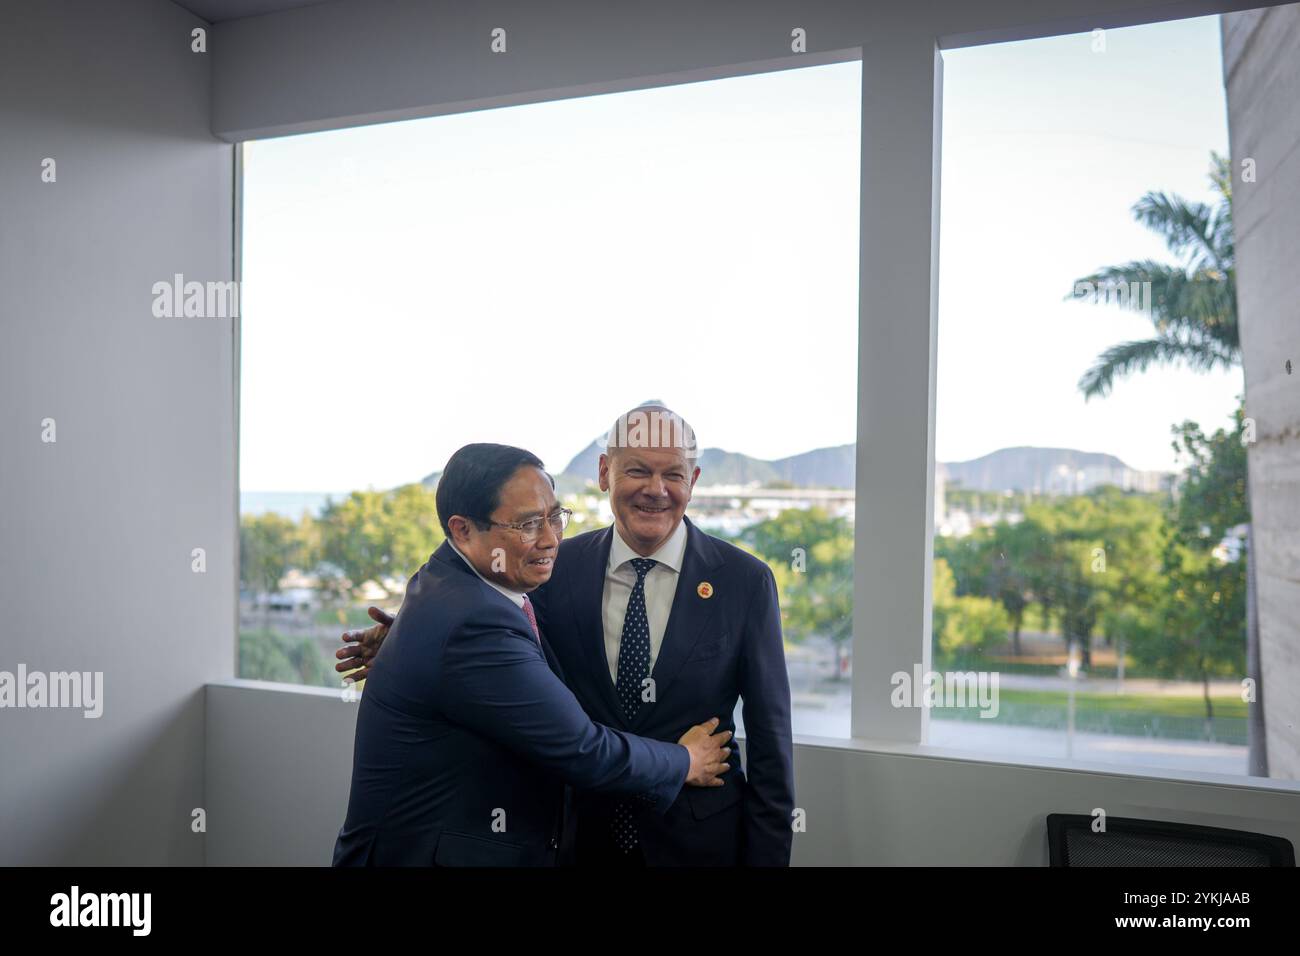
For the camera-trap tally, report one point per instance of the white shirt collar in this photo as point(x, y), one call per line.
point(670, 553)
point(515, 596)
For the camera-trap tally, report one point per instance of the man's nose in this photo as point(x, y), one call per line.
point(655, 486)
point(547, 537)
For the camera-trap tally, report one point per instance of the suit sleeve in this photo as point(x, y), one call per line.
point(769, 745)
point(495, 681)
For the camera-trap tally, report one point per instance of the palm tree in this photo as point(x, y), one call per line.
point(1193, 308)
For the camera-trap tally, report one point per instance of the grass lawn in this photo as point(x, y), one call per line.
point(1224, 706)
point(1176, 718)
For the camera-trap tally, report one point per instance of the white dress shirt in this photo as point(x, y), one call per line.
point(660, 587)
point(516, 596)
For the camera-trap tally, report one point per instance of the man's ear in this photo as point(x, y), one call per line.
point(603, 476)
point(695, 476)
point(459, 527)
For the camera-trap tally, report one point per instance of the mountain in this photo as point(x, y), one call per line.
point(721, 467)
point(1048, 471)
point(1044, 470)
point(1025, 468)
point(820, 468)
point(585, 465)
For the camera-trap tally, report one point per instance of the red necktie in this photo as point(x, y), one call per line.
point(532, 618)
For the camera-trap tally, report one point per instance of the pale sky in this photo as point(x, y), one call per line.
point(524, 274)
point(1046, 147)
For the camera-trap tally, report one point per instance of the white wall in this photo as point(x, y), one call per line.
point(347, 62)
point(280, 762)
point(96, 529)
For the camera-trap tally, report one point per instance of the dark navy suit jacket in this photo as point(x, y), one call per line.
point(466, 737)
point(715, 649)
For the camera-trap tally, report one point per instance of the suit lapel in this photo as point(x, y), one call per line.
point(690, 613)
point(588, 592)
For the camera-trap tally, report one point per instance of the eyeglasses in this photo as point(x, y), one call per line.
point(530, 529)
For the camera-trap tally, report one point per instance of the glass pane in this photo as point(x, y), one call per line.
point(1091, 552)
point(524, 275)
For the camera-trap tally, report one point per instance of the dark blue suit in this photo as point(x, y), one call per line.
point(466, 737)
point(715, 649)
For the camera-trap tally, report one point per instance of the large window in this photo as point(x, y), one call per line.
point(523, 275)
point(1090, 510)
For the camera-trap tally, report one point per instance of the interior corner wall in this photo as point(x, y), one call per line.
point(98, 527)
point(1261, 65)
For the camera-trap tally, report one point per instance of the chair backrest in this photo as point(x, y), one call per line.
point(1071, 841)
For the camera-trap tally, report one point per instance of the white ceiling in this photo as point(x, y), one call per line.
point(215, 11)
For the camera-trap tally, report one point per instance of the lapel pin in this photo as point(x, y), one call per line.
point(705, 590)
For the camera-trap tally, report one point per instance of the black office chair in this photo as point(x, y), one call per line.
point(1129, 842)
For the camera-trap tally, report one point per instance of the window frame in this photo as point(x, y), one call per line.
point(897, 330)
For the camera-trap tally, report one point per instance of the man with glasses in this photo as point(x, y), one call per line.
point(657, 626)
point(466, 734)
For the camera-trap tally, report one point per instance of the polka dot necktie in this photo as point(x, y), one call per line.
point(633, 669)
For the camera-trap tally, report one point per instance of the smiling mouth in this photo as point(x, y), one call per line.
point(650, 511)
point(542, 562)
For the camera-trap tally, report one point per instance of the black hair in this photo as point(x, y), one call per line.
point(471, 483)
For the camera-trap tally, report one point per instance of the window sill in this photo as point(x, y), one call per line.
point(902, 749)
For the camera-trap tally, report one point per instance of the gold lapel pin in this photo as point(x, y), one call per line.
point(705, 590)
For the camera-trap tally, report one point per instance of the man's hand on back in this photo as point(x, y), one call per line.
point(362, 646)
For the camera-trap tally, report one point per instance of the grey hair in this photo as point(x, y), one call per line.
point(652, 426)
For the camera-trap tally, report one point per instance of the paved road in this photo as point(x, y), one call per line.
point(831, 719)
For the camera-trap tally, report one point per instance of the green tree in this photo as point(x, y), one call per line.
point(811, 554)
point(414, 532)
point(1205, 606)
point(1092, 561)
point(1193, 308)
point(269, 545)
point(964, 626)
point(993, 562)
point(1010, 547)
point(372, 535)
point(267, 654)
point(1202, 627)
point(1134, 533)
point(1193, 305)
point(1066, 541)
point(1213, 494)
